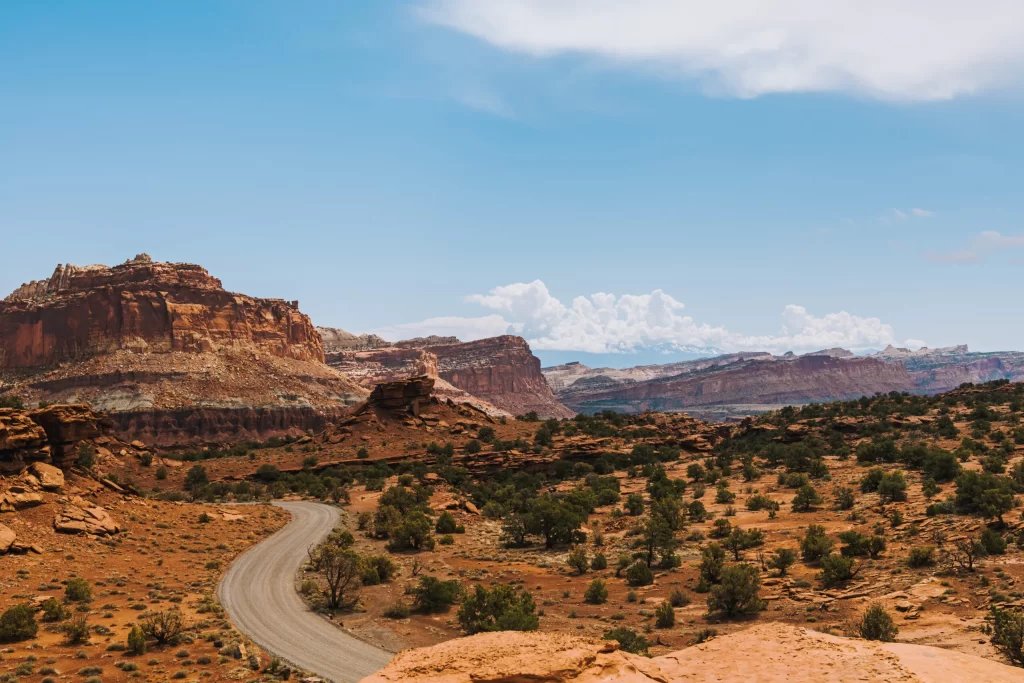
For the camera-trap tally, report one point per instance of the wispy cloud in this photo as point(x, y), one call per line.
point(606, 323)
point(922, 213)
point(958, 257)
point(485, 101)
point(983, 245)
point(906, 50)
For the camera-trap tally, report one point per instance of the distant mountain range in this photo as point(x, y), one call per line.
point(731, 385)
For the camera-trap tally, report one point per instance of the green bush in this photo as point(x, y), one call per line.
point(136, 641)
point(578, 559)
point(738, 593)
point(54, 610)
point(433, 595)
point(678, 598)
point(77, 590)
point(921, 556)
point(18, 623)
point(629, 640)
point(993, 542)
point(76, 631)
point(876, 624)
point(816, 543)
point(446, 524)
point(599, 562)
point(1008, 634)
point(639, 574)
point(502, 608)
point(806, 498)
point(782, 559)
point(597, 593)
point(664, 615)
point(836, 569)
point(398, 610)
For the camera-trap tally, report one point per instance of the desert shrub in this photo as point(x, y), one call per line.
point(163, 627)
point(816, 543)
point(75, 631)
point(434, 595)
point(981, 493)
point(836, 569)
point(161, 473)
point(738, 593)
point(578, 559)
point(993, 542)
point(712, 560)
point(375, 569)
point(18, 623)
point(397, 610)
point(1008, 634)
point(596, 593)
point(664, 615)
point(54, 610)
point(446, 523)
point(447, 539)
point(678, 598)
point(639, 574)
point(629, 640)
point(77, 590)
point(892, 487)
point(844, 498)
point(502, 608)
point(806, 498)
point(599, 562)
point(876, 624)
point(759, 501)
point(409, 532)
point(86, 455)
point(136, 641)
point(782, 559)
point(921, 556)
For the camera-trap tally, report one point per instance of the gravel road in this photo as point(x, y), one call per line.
point(258, 593)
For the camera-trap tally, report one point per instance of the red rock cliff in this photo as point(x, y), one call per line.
point(147, 307)
point(502, 371)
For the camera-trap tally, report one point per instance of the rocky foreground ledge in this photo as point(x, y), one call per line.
point(766, 653)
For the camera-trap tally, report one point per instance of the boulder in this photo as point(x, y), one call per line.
point(12, 500)
point(7, 538)
point(50, 477)
point(85, 520)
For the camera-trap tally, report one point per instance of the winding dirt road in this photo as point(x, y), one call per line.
point(258, 593)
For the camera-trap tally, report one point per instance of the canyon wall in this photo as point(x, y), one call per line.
point(145, 307)
point(499, 375)
point(169, 354)
point(734, 384)
point(502, 371)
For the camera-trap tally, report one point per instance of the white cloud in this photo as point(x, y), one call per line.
point(899, 214)
point(990, 239)
point(449, 326)
point(963, 257)
point(922, 213)
point(606, 323)
point(485, 101)
point(887, 49)
point(982, 245)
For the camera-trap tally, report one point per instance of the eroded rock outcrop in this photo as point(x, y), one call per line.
point(767, 653)
point(82, 517)
point(500, 372)
point(144, 306)
point(147, 341)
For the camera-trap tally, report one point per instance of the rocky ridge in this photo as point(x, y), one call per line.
point(499, 375)
point(768, 653)
point(755, 382)
point(169, 353)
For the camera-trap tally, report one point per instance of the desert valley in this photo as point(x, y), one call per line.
point(852, 514)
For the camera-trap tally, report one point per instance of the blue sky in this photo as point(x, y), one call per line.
point(446, 166)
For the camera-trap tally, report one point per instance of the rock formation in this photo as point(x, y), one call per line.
point(144, 306)
point(147, 340)
point(767, 653)
point(754, 382)
point(46, 439)
point(500, 372)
